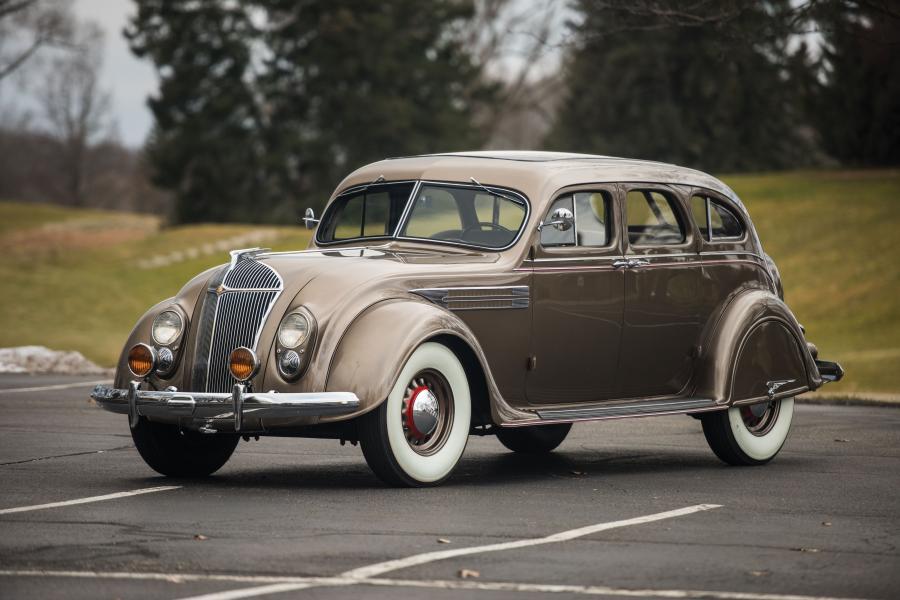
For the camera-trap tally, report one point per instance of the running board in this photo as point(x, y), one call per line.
point(631, 409)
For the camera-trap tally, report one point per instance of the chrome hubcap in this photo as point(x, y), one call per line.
point(760, 418)
point(422, 413)
point(426, 412)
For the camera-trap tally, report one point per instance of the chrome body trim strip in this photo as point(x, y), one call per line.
point(228, 412)
point(632, 409)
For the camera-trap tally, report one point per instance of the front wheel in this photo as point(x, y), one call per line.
point(749, 435)
point(416, 437)
point(180, 453)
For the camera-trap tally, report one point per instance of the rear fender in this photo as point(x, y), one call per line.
point(756, 352)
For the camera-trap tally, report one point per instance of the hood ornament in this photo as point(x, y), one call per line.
point(245, 253)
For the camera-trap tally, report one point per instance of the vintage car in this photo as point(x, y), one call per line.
point(487, 293)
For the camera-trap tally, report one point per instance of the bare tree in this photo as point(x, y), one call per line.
point(26, 26)
point(516, 43)
point(76, 109)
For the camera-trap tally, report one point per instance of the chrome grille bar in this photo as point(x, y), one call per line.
point(234, 312)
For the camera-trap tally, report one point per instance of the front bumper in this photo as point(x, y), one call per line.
point(238, 412)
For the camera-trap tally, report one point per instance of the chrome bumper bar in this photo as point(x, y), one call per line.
point(240, 411)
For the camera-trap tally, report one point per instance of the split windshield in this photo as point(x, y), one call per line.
point(444, 213)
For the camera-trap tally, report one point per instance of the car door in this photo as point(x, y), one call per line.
point(577, 301)
point(662, 322)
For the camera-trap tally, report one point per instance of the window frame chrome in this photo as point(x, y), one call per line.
point(405, 215)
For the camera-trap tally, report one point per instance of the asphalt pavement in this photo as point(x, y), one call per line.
point(636, 508)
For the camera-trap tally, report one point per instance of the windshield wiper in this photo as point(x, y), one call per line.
point(494, 192)
point(378, 179)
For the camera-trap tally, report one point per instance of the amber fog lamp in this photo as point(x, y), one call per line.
point(141, 360)
point(243, 363)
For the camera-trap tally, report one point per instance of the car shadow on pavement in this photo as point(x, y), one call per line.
point(484, 470)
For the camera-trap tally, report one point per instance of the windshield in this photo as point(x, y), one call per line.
point(373, 211)
point(447, 213)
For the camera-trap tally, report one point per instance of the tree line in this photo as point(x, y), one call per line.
point(263, 105)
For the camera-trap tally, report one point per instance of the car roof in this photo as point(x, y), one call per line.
point(537, 174)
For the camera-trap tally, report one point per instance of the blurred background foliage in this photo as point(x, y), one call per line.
point(264, 105)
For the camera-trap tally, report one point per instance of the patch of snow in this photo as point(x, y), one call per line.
point(38, 359)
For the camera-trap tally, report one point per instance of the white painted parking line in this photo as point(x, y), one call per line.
point(273, 588)
point(363, 573)
point(563, 536)
point(18, 509)
point(588, 590)
point(60, 386)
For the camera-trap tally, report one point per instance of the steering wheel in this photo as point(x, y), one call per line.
point(478, 226)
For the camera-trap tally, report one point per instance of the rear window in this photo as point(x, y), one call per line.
point(714, 219)
point(652, 219)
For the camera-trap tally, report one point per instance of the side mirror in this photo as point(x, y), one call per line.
point(561, 219)
point(309, 218)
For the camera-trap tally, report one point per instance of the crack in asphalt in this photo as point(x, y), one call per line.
point(39, 458)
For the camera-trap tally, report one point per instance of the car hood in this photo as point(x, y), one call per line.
point(332, 273)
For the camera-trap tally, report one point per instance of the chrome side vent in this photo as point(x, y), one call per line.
point(477, 298)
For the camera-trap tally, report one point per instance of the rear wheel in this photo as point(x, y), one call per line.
point(749, 435)
point(536, 439)
point(417, 436)
point(174, 452)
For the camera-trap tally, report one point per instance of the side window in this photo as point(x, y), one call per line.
point(701, 218)
point(653, 219)
point(714, 219)
point(551, 236)
point(592, 218)
point(592, 221)
point(724, 223)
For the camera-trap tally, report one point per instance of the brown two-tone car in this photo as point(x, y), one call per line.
point(506, 293)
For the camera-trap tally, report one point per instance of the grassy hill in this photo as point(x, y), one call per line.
point(77, 279)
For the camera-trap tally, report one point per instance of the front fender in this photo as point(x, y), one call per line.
point(376, 346)
point(756, 351)
point(187, 300)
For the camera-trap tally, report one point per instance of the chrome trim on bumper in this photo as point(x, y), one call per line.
point(238, 411)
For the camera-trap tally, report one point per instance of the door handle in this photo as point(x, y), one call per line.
point(638, 262)
point(621, 264)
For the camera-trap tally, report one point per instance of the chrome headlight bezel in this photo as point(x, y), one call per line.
point(158, 323)
point(293, 318)
point(293, 357)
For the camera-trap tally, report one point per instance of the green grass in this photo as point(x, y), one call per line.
point(71, 280)
point(835, 236)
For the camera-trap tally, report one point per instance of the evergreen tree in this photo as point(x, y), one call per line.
point(856, 104)
point(264, 104)
point(715, 96)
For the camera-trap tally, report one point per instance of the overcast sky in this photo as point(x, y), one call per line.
point(128, 79)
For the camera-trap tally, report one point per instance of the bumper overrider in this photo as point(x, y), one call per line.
point(241, 411)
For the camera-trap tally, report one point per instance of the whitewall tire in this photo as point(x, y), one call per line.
point(417, 436)
point(749, 435)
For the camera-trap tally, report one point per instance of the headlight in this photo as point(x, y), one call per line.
point(294, 330)
point(167, 326)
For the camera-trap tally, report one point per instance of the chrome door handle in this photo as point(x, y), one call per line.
point(638, 262)
point(621, 264)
